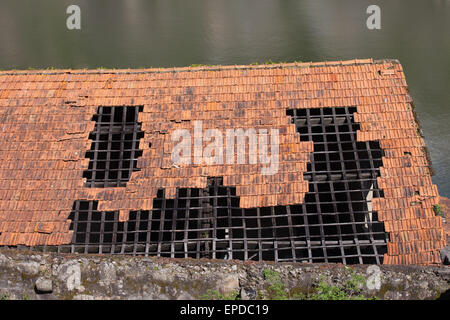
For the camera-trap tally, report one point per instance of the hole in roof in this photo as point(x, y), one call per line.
point(115, 146)
point(334, 224)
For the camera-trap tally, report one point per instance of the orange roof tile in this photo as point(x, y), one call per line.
point(45, 121)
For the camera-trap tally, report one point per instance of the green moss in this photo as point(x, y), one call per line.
point(267, 62)
point(438, 210)
point(216, 295)
point(350, 290)
point(200, 65)
point(260, 295)
point(276, 289)
point(270, 61)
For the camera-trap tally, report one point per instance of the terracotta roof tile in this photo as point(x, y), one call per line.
point(45, 121)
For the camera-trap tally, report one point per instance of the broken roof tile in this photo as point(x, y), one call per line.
point(46, 119)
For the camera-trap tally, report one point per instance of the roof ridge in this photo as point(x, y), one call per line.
point(198, 68)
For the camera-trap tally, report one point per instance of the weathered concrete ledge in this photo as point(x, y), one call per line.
point(32, 275)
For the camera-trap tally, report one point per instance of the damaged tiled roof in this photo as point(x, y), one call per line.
point(46, 119)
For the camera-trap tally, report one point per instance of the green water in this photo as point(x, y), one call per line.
point(143, 33)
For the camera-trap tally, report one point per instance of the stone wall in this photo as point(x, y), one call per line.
point(33, 275)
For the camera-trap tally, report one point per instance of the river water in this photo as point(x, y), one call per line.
point(144, 33)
